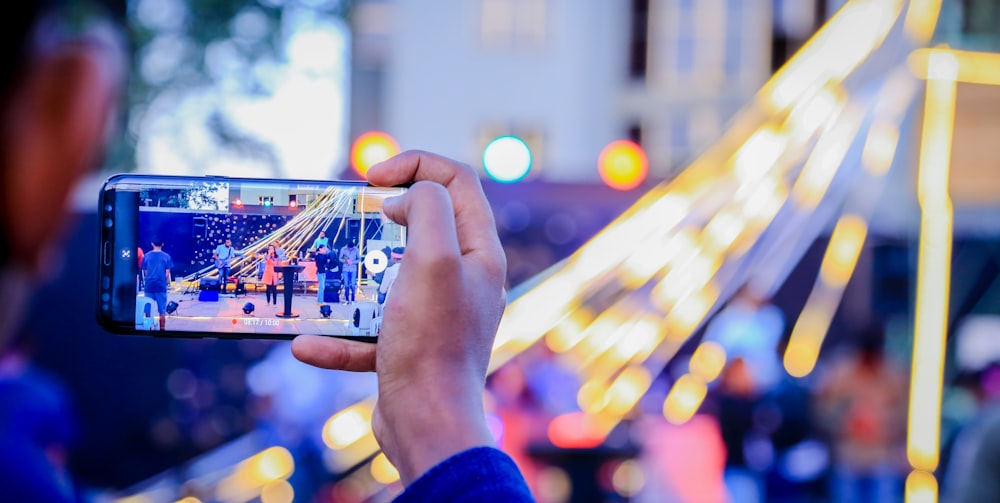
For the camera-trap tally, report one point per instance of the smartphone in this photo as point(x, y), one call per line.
point(245, 258)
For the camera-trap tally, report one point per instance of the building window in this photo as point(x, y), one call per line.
point(639, 44)
point(734, 38)
point(685, 39)
point(680, 137)
point(685, 55)
point(634, 133)
point(513, 24)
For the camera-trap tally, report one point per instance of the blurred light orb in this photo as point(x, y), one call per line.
point(279, 491)
point(628, 478)
point(370, 149)
point(507, 159)
point(554, 484)
point(623, 165)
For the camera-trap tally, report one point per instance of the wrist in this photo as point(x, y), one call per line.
point(418, 432)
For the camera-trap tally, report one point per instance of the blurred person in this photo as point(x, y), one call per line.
point(349, 269)
point(390, 273)
point(861, 403)
point(322, 240)
point(270, 277)
point(969, 459)
point(322, 259)
point(431, 357)
point(36, 420)
point(156, 267)
point(970, 466)
point(61, 67)
point(223, 256)
point(750, 327)
point(748, 452)
point(282, 256)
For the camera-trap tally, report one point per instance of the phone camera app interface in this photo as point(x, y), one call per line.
point(265, 258)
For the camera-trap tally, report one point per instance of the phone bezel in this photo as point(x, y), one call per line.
point(116, 235)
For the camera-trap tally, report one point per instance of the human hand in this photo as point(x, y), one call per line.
point(437, 334)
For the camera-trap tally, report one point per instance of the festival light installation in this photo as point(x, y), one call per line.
point(812, 147)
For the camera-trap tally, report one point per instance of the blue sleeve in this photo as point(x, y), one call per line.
point(481, 474)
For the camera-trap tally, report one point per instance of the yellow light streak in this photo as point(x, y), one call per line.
point(684, 280)
point(813, 323)
point(880, 148)
point(348, 426)
point(592, 396)
point(604, 327)
point(272, 464)
point(826, 158)
point(647, 260)
point(809, 116)
point(684, 399)
point(970, 67)
point(843, 250)
point(934, 265)
point(627, 389)
point(759, 154)
point(643, 336)
point(723, 229)
point(809, 331)
point(836, 50)
point(641, 340)
point(921, 19)
point(253, 474)
point(708, 360)
point(601, 339)
point(690, 311)
point(383, 471)
point(921, 487)
point(570, 331)
point(279, 491)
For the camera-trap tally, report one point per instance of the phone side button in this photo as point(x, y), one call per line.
point(107, 253)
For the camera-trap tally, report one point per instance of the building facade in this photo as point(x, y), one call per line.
point(567, 77)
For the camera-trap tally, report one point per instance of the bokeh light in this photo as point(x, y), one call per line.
point(370, 149)
point(623, 165)
point(507, 159)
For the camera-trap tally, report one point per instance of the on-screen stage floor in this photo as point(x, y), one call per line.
point(227, 316)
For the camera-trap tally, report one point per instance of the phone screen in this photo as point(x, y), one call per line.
point(225, 257)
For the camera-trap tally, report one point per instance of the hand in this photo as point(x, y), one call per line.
point(439, 325)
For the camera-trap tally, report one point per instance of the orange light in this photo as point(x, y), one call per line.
point(576, 430)
point(238, 203)
point(623, 165)
point(293, 204)
point(370, 149)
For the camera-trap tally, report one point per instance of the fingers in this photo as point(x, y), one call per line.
point(427, 212)
point(472, 214)
point(335, 354)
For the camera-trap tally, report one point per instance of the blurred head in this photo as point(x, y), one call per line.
point(61, 66)
point(397, 254)
point(157, 244)
point(322, 234)
point(351, 243)
point(272, 251)
point(871, 343)
point(322, 249)
point(229, 242)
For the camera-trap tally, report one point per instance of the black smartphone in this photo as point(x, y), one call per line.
point(245, 258)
